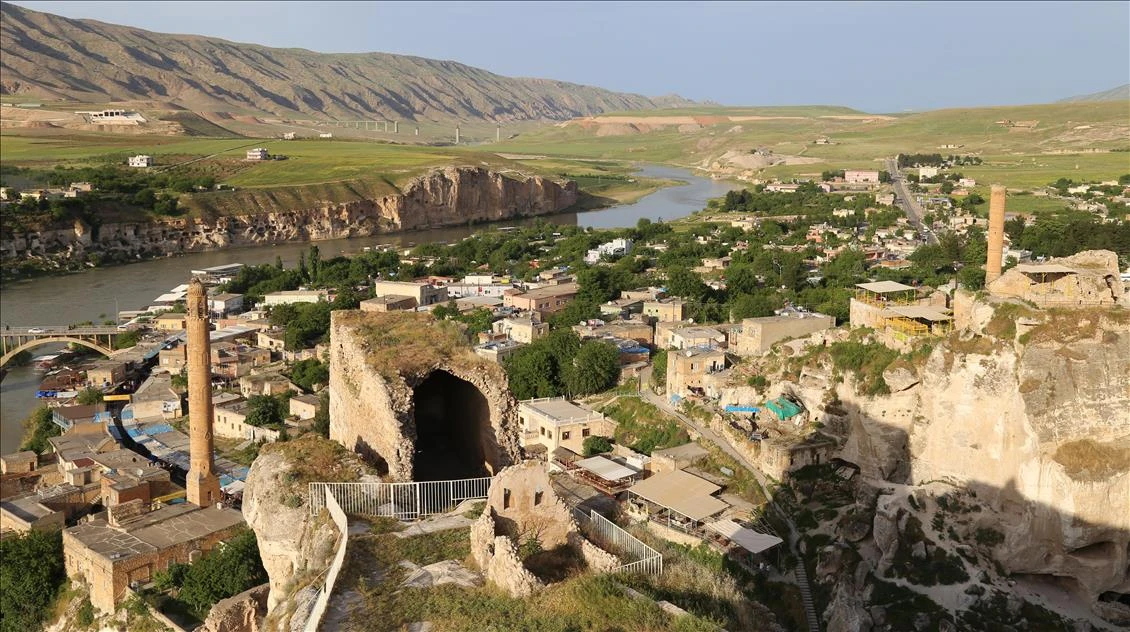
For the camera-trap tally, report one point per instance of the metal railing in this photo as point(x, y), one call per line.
point(403, 501)
point(322, 600)
point(640, 557)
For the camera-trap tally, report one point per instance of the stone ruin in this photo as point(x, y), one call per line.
point(1086, 279)
point(522, 509)
point(409, 395)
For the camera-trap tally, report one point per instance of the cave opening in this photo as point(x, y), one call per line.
point(454, 436)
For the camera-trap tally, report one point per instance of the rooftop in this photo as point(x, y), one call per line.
point(551, 290)
point(923, 312)
point(885, 287)
point(559, 410)
point(682, 492)
point(165, 527)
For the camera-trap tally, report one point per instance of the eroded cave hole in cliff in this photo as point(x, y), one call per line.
point(454, 436)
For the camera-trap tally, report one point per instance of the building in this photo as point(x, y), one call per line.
point(141, 160)
point(622, 307)
point(173, 359)
point(497, 350)
point(390, 303)
point(67, 417)
point(687, 368)
point(223, 304)
point(169, 321)
point(897, 313)
point(155, 399)
point(687, 337)
point(304, 406)
point(616, 248)
point(423, 293)
point(259, 153)
point(105, 373)
point(558, 422)
point(626, 329)
point(231, 423)
point(524, 329)
point(289, 297)
point(665, 310)
point(927, 172)
point(860, 176)
point(757, 335)
point(270, 384)
point(543, 300)
point(271, 339)
point(28, 513)
point(19, 462)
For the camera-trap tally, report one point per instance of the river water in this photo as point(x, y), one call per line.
point(100, 293)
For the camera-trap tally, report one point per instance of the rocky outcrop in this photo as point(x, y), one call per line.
point(453, 196)
point(377, 361)
point(241, 613)
point(1084, 279)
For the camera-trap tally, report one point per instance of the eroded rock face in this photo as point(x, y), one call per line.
point(376, 362)
point(454, 196)
point(241, 613)
point(1095, 281)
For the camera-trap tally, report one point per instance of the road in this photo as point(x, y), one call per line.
point(59, 330)
point(914, 212)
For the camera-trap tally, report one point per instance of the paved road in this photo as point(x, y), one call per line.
point(914, 211)
point(56, 330)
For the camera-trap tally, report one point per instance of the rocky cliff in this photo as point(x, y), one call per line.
point(452, 196)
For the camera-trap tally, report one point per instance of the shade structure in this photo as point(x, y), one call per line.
point(747, 538)
point(681, 492)
point(606, 468)
point(884, 287)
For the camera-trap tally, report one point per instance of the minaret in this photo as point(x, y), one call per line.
point(995, 237)
point(202, 486)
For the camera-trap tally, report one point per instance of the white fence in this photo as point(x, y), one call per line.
point(403, 501)
point(639, 557)
point(323, 599)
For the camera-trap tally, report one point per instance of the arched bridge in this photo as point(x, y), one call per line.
point(16, 339)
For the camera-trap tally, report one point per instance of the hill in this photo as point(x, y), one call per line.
point(55, 58)
point(1121, 93)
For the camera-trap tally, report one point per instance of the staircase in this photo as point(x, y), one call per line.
point(806, 596)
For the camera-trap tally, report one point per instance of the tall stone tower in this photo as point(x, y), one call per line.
point(202, 486)
point(996, 233)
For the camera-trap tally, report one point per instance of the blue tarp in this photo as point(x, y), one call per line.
point(135, 432)
point(158, 429)
point(742, 409)
point(226, 480)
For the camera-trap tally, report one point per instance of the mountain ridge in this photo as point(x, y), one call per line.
point(50, 56)
point(1119, 93)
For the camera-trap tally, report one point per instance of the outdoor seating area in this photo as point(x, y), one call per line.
point(675, 499)
point(606, 474)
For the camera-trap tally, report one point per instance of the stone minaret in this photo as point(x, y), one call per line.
point(996, 233)
point(202, 486)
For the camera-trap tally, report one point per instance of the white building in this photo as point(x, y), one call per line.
point(967, 183)
point(141, 160)
point(927, 172)
point(614, 248)
point(286, 297)
point(259, 153)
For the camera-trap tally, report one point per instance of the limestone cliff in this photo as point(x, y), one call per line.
point(452, 196)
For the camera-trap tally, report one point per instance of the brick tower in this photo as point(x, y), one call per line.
point(202, 486)
point(996, 233)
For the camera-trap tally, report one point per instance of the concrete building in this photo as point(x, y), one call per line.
point(616, 248)
point(258, 153)
point(269, 384)
point(141, 160)
point(544, 300)
point(423, 293)
point(231, 423)
point(169, 321)
point(497, 350)
point(557, 422)
point(271, 339)
point(223, 304)
point(173, 359)
point(687, 368)
point(757, 335)
point(390, 303)
point(860, 176)
point(105, 373)
point(304, 406)
point(68, 417)
point(288, 297)
point(524, 329)
point(687, 337)
point(927, 172)
point(665, 310)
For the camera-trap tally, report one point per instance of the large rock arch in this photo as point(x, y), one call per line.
point(382, 364)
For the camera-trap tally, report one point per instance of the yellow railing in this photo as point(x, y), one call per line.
point(885, 300)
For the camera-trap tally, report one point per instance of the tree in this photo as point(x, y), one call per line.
point(88, 396)
point(264, 411)
point(31, 573)
point(127, 339)
point(596, 445)
point(38, 427)
point(595, 368)
point(224, 571)
point(532, 372)
point(322, 415)
point(659, 368)
point(686, 283)
point(884, 177)
point(309, 373)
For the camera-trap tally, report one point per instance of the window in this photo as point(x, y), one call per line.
point(585, 432)
point(537, 498)
point(542, 429)
point(549, 434)
point(505, 498)
point(565, 435)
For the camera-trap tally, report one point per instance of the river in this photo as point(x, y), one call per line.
point(98, 294)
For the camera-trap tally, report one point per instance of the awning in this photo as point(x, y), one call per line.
point(884, 287)
point(914, 312)
point(748, 539)
point(606, 468)
point(684, 493)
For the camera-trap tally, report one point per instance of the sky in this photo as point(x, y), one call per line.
point(874, 56)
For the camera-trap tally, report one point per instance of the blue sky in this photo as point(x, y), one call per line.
point(875, 56)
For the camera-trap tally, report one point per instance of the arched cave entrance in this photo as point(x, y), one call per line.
point(454, 436)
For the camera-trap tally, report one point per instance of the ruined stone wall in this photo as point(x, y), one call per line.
point(372, 410)
point(453, 196)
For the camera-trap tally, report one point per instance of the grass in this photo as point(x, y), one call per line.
point(643, 427)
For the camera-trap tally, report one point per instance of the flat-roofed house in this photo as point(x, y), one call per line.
point(557, 422)
point(544, 300)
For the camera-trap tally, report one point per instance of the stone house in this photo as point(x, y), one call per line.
point(271, 339)
point(523, 329)
point(687, 368)
point(230, 422)
point(666, 310)
point(173, 359)
point(687, 337)
point(19, 462)
point(169, 321)
point(422, 292)
point(304, 406)
point(389, 303)
point(757, 335)
point(105, 373)
point(544, 300)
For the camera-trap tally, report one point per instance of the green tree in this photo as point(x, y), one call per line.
point(531, 372)
point(88, 396)
point(38, 427)
point(596, 445)
point(322, 414)
point(31, 573)
point(265, 411)
point(659, 368)
point(224, 571)
point(127, 339)
point(309, 373)
point(595, 368)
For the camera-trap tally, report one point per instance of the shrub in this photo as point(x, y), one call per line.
point(31, 572)
point(85, 616)
point(596, 445)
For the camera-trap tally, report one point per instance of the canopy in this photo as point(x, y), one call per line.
point(606, 468)
point(748, 539)
point(884, 287)
point(684, 493)
point(921, 311)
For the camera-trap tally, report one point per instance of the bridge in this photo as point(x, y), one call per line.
point(13, 340)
